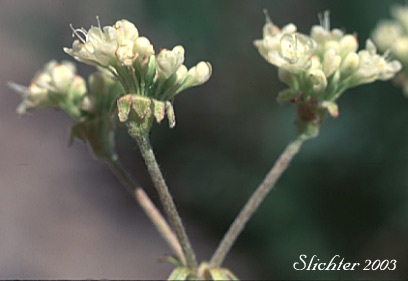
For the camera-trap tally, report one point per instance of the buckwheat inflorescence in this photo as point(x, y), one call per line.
point(319, 67)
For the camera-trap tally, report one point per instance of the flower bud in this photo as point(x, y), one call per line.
point(348, 44)
point(370, 47)
point(125, 53)
point(169, 61)
point(400, 49)
point(289, 28)
point(62, 76)
point(181, 74)
point(337, 34)
point(125, 31)
point(332, 45)
point(318, 80)
point(350, 64)
point(198, 74)
point(77, 90)
point(143, 50)
point(315, 63)
point(331, 62)
point(319, 33)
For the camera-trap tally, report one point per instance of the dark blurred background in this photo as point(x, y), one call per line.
point(63, 215)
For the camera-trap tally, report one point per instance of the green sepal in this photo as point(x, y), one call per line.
point(170, 114)
point(151, 71)
point(159, 109)
point(309, 118)
point(332, 108)
point(286, 95)
point(139, 127)
point(124, 104)
point(141, 105)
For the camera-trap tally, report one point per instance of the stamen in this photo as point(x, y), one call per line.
point(296, 45)
point(17, 87)
point(77, 33)
point(267, 17)
point(99, 23)
point(324, 20)
point(388, 52)
point(45, 85)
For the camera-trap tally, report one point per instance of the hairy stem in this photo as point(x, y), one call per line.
point(255, 200)
point(166, 199)
point(160, 223)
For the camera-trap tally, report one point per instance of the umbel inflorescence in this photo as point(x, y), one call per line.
point(392, 36)
point(150, 80)
point(130, 77)
point(319, 67)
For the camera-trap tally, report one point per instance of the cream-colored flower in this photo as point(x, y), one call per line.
point(198, 74)
point(150, 81)
point(391, 36)
point(319, 67)
point(386, 33)
point(53, 85)
point(285, 48)
point(107, 46)
point(168, 61)
point(373, 66)
point(400, 13)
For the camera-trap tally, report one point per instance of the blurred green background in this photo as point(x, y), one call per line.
point(345, 194)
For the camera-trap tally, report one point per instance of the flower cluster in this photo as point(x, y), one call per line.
point(150, 80)
point(55, 85)
point(58, 85)
point(392, 36)
point(319, 67)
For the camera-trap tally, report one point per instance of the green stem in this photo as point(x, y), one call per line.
point(122, 175)
point(255, 200)
point(166, 199)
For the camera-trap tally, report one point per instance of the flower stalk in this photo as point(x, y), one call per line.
point(123, 176)
point(166, 199)
point(256, 199)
